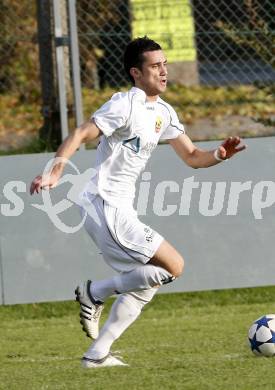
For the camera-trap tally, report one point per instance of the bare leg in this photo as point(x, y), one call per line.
point(168, 258)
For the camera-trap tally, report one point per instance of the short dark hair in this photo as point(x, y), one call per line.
point(133, 55)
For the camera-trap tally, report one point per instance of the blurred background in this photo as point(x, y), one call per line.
point(220, 54)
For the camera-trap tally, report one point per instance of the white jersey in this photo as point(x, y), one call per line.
point(132, 128)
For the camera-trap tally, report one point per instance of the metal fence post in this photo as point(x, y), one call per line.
point(74, 52)
point(50, 132)
point(60, 41)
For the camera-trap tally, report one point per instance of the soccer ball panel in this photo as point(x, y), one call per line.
point(267, 349)
point(271, 324)
point(263, 334)
point(252, 331)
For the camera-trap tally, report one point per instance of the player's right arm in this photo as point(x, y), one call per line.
point(88, 131)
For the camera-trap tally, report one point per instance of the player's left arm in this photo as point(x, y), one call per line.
point(201, 158)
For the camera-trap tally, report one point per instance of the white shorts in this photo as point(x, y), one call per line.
point(123, 240)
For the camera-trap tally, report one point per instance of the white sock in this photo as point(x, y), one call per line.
point(124, 312)
point(141, 278)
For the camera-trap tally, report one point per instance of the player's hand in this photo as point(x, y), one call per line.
point(43, 182)
point(230, 147)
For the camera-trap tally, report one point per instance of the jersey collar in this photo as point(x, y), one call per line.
point(142, 94)
point(139, 92)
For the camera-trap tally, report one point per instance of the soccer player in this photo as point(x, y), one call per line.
point(130, 126)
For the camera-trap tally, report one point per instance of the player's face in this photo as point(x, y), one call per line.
point(152, 78)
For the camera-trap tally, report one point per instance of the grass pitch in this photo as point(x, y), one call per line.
point(181, 341)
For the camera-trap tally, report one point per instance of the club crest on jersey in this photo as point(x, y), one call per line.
point(158, 124)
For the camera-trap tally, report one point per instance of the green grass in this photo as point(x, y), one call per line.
point(181, 341)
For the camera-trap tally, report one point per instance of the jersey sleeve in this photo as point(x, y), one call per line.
point(174, 128)
point(112, 115)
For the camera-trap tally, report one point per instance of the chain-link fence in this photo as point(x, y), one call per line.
point(19, 73)
point(104, 29)
point(222, 50)
point(233, 42)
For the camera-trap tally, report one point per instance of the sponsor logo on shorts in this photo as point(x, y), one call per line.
point(149, 234)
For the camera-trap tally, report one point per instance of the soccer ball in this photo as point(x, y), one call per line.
point(261, 336)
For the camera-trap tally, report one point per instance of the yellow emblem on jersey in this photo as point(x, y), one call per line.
point(158, 124)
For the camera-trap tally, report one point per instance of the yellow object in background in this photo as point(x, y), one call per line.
point(168, 22)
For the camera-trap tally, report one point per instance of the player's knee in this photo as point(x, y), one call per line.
point(178, 266)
